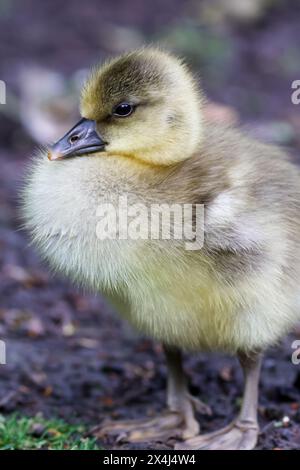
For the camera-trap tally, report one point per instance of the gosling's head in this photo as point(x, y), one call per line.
point(144, 105)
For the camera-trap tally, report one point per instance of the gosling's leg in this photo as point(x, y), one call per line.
point(177, 421)
point(242, 433)
point(179, 399)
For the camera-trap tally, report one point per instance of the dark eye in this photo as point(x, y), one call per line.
point(123, 110)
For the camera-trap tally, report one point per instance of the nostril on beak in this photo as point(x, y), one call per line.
point(73, 139)
point(82, 139)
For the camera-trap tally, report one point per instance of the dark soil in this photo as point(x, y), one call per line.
point(68, 354)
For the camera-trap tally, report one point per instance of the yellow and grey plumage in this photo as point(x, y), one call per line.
point(240, 292)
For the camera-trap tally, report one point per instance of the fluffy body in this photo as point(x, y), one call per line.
point(239, 292)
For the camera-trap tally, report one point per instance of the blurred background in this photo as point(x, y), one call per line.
point(68, 355)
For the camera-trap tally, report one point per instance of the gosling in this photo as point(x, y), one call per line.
point(143, 135)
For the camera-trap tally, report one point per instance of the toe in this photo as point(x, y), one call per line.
point(229, 438)
point(152, 429)
point(200, 406)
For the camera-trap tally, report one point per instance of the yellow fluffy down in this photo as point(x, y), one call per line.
point(240, 292)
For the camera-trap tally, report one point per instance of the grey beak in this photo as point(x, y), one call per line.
point(82, 139)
